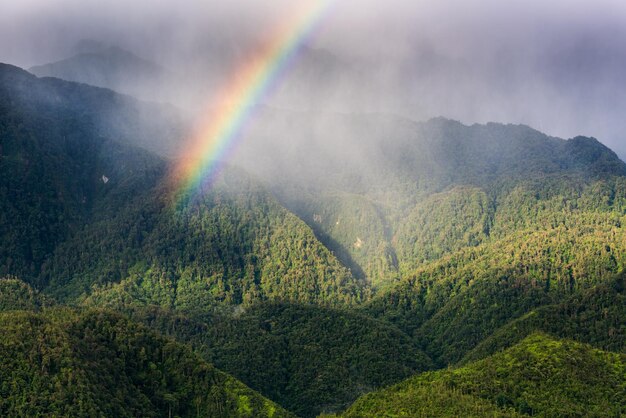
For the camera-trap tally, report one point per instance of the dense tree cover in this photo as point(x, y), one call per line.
point(443, 223)
point(539, 376)
point(595, 316)
point(17, 295)
point(233, 243)
point(465, 217)
point(308, 359)
point(95, 363)
point(353, 227)
point(561, 246)
point(52, 160)
point(376, 175)
point(432, 400)
point(80, 210)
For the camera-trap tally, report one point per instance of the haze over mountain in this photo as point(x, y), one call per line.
point(110, 67)
point(558, 67)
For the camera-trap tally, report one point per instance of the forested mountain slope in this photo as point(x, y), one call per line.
point(596, 316)
point(234, 244)
point(17, 295)
point(387, 194)
point(37, 101)
point(555, 247)
point(80, 209)
point(53, 166)
point(309, 359)
point(539, 376)
point(95, 363)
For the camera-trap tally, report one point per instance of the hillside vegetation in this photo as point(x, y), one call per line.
point(595, 316)
point(559, 246)
point(82, 210)
point(94, 363)
point(539, 376)
point(308, 359)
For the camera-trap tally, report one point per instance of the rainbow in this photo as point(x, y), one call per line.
point(206, 151)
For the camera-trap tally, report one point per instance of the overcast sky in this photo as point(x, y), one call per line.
point(559, 66)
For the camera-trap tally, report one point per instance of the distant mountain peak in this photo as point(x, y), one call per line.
point(88, 46)
point(110, 67)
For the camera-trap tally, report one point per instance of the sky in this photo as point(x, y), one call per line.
point(558, 66)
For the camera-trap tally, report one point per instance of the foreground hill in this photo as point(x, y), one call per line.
point(94, 363)
point(539, 376)
point(309, 359)
point(595, 316)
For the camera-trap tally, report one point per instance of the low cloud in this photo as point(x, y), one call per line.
point(558, 66)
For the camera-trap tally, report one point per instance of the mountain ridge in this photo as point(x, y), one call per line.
point(108, 67)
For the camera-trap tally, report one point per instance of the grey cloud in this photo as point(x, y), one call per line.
point(558, 66)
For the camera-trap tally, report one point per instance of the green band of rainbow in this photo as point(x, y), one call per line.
point(206, 151)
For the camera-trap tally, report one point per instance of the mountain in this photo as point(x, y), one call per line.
point(459, 229)
point(97, 363)
point(147, 125)
point(84, 209)
point(367, 195)
point(110, 67)
point(539, 376)
point(556, 247)
point(53, 155)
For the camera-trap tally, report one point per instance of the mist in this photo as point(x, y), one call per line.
point(557, 67)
